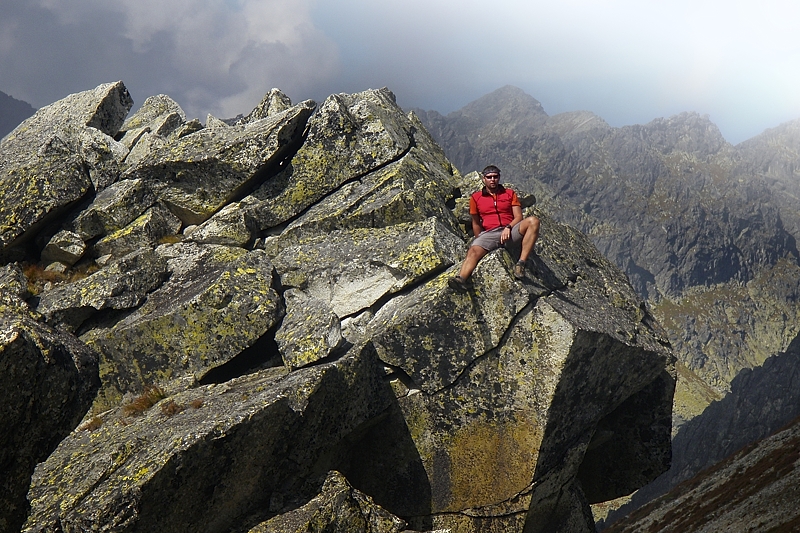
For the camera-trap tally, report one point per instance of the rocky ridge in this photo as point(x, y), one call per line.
point(252, 306)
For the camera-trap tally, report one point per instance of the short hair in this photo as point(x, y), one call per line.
point(491, 169)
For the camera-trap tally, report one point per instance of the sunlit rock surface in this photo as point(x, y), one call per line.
point(268, 300)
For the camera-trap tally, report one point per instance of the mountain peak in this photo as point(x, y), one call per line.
point(12, 112)
point(505, 101)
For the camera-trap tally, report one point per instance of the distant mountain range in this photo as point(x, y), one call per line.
point(705, 230)
point(12, 112)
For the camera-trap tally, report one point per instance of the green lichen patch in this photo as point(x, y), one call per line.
point(349, 136)
point(186, 328)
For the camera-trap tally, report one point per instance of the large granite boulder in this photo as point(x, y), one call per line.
point(146, 231)
point(413, 188)
point(509, 394)
point(123, 284)
point(210, 458)
point(113, 209)
point(217, 302)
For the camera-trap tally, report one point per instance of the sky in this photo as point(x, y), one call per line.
point(628, 61)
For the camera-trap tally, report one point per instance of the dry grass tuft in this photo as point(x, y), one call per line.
point(151, 395)
point(38, 277)
point(171, 408)
point(93, 423)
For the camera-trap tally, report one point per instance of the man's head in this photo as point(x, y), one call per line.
point(491, 177)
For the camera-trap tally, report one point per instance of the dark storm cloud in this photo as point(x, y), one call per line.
point(213, 56)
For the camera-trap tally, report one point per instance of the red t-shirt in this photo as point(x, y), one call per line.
point(494, 209)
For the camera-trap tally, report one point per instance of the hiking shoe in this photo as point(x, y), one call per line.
point(519, 270)
point(459, 284)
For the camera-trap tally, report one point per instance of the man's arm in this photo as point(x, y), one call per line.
point(477, 228)
point(517, 212)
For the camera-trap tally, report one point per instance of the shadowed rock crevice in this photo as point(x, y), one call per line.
point(403, 384)
point(761, 401)
point(629, 446)
point(262, 354)
point(384, 462)
point(613, 426)
point(271, 168)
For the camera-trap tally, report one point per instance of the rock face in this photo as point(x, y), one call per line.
point(278, 348)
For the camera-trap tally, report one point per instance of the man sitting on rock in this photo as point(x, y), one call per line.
point(496, 220)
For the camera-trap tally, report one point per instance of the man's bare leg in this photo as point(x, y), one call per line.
point(474, 254)
point(529, 228)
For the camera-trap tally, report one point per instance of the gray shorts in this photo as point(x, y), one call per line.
point(490, 240)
